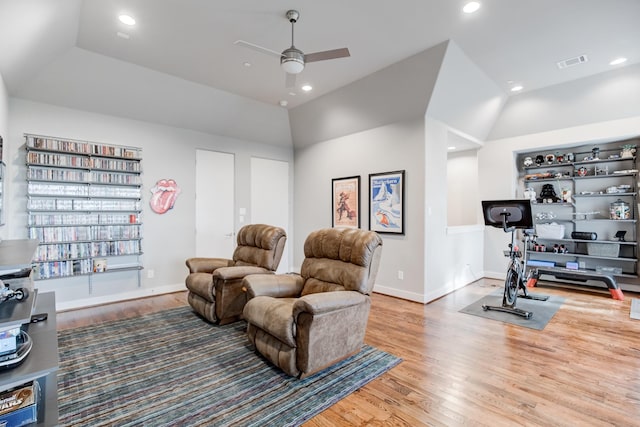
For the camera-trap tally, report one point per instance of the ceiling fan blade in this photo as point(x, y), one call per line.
point(290, 80)
point(327, 54)
point(258, 48)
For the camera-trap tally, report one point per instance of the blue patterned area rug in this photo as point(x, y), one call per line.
point(173, 368)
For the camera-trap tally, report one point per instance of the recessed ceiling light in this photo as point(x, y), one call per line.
point(247, 64)
point(292, 93)
point(306, 88)
point(127, 20)
point(618, 61)
point(123, 35)
point(471, 7)
point(451, 148)
point(283, 103)
point(517, 88)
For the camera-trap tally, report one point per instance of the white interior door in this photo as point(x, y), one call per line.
point(270, 198)
point(214, 204)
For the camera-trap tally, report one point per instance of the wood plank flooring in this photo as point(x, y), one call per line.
point(583, 369)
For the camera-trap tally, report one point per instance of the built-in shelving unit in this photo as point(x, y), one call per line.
point(84, 207)
point(595, 189)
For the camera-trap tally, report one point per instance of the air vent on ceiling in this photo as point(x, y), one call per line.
point(572, 61)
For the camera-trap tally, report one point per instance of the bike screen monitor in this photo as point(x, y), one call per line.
point(516, 212)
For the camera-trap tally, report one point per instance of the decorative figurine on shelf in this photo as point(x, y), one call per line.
point(530, 193)
point(550, 158)
point(595, 152)
point(539, 159)
point(571, 157)
point(628, 151)
point(528, 161)
point(548, 194)
point(620, 235)
point(559, 157)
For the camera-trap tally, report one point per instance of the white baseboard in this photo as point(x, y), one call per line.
point(448, 288)
point(398, 293)
point(437, 293)
point(495, 275)
point(106, 299)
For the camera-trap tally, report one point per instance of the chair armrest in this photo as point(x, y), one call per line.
point(207, 265)
point(325, 302)
point(238, 272)
point(276, 286)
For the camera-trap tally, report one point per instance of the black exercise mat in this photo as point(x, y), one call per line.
point(542, 311)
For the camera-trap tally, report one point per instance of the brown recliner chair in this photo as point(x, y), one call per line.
point(215, 284)
point(305, 322)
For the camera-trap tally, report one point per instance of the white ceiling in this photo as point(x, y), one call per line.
point(510, 40)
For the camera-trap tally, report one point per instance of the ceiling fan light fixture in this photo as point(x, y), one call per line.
point(292, 60)
point(292, 65)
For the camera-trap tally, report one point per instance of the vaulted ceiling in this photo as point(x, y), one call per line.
point(513, 42)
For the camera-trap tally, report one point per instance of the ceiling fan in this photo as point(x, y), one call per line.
point(292, 59)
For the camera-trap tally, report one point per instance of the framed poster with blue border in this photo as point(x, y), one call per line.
point(386, 202)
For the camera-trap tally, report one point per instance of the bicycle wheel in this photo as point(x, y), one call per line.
point(511, 287)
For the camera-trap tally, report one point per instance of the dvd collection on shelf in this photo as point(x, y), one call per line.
point(67, 251)
point(84, 201)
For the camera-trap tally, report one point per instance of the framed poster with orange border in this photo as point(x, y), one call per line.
point(345, 202)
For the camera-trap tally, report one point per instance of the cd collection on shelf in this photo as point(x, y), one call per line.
point(81, 219)
point(84, 201)
point(83, 147)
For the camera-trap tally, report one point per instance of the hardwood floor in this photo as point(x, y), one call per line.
point(583, 369)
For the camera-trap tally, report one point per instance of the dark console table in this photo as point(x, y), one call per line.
point(41, 364)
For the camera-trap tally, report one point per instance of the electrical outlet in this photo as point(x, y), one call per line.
point(400, 275)
point(150, 274)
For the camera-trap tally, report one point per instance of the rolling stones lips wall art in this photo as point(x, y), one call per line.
point(164, 195)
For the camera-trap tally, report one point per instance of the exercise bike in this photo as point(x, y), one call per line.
point(511, 215)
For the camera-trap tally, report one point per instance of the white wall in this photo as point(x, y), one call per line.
point(168, 152)
point(462, 188)
point(464, 105)
point(4, 110)
point(386, 148)
point(453, 256)
point(498, 174)
point(4, 133)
